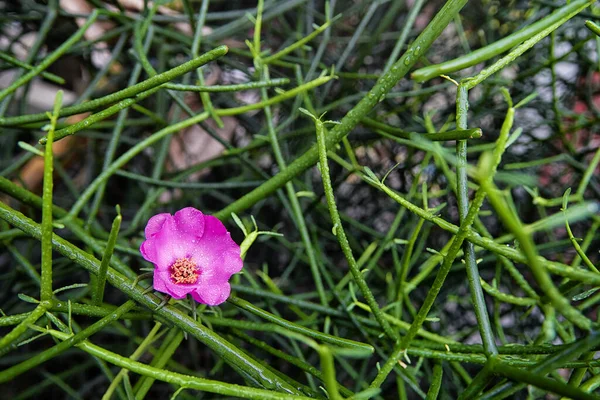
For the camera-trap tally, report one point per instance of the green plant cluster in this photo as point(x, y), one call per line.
point(424, 176)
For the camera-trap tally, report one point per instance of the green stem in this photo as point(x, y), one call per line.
point(528, 248)
point(541, 382)
point(384, 84)
point(46, 242)
point(297, 44)
point(228, 352)
point(204, 96)
point(526, 45)
point(340, 233)
point(507, 298)
point(141, 349)
point(480, 381)
point(228, 88)
point(591, 384)
point(16, 370)
point(21, 64)
point(128, 92)
point(459, 134)
point(291, 192)
point(407, 26)
point(328, 369)
point(114, 142)
point(181, 380)
point(499, 46)
point(436, 382)
point(589, 172)
point(88, 122)
point(98, 295)
point(50, 58)
point(18, 330)
point(165, 352)
point(293, 327)
point(462, 191)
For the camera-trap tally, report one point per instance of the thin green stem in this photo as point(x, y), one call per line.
point(46, 242)
point(384, 84)
point(407, 26)
point(50, 58)
point(98, 294)
point(499, 46)
point(293, 327)
point(226, 350)
point(462, 191)
point(436, 383)
point(459, 134)
point(18, 330)
point(507, 298)
point(526, 45)
point(529, 250)
point(589, 172)
point(480, 381)
point(228, 88)
point(297, 44)
point(88, 122)
point(21, 64)
point(328, 369)
point(206, 102)
point(128, 92)
point(139, 351)
point(16, 370)
point(164, 354)
point(181, 380)
point(291, 192)
point(340, 233)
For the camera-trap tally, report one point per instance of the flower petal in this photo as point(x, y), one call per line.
point(213, 226)
point(155, 224)
point(190, 221)
point(232, 262)
point(216, 251)
point(163, 283)
point(158, 283)
point(212, 294)
point(169, 244)
point(148, 251)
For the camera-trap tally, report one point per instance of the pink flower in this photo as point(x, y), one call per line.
point(192, 253)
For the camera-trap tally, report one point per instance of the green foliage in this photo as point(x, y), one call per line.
point(417, 203)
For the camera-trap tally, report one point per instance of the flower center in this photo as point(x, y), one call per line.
point(184, 271)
